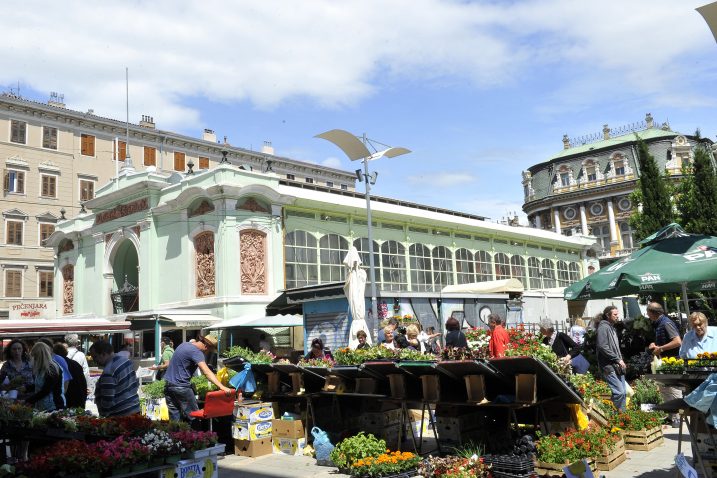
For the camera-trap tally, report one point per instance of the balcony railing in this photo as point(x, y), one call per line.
point(126, 299)
point(605, 253)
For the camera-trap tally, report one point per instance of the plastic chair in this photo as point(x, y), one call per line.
point(216, 404)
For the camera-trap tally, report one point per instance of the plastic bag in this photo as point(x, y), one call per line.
point(322, 444)
point(223, 376)
point(244, 380)
point(656, 362)
point(628, 390)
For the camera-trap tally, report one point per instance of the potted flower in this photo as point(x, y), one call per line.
point(454, 467)
point(385, 464)
point(355, 448)
point(161, 447)
point(194, 441)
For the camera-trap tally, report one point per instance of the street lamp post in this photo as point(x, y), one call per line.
point(357, 149)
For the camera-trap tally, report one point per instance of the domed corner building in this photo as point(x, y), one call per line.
point(186, 250)
point(584, 189)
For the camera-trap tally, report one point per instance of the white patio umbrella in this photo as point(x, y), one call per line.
point(354, 289)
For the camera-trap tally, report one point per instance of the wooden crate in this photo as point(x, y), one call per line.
point(595, 413)
point(556, 469)
point(608, 461)
point(554, 428)
point(644, 440)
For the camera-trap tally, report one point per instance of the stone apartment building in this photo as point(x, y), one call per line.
point(54, 159)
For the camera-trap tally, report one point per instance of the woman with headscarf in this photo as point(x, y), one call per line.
point(48, 394)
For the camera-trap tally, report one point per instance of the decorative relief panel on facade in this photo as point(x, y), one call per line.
point(136, 230)
point(202, 208)
point(528, 190)
point(619, 167)
point(205, 265)
point(253, 205)
point(591, 174)
point(252, 247)
point(68, 289)
point(681, 155)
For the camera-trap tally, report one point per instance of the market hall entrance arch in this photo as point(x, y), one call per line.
point(123, 275)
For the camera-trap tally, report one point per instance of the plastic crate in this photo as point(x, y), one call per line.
point(510, 464)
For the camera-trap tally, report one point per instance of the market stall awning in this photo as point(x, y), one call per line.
point(37, 327)
point(286, 320)
point(488, 287)
point(179, 320)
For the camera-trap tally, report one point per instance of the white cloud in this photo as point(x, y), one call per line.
point(332, 163)
point(336, 53)
point(442, 179)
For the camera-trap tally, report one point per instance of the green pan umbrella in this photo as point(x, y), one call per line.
point(670, 260)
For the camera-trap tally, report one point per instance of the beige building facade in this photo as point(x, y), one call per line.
point(54, 159)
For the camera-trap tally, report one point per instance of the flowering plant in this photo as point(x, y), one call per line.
point(161, 443)
point(66, 457)
point(636, 420)
point(123, 451)
point(671, 365)
point(388, 463)
point(479, 342)
point(589, 387)
point(454, 467)
point(575, 445)
point(324, 362)
point(17, 413)
point(352, 449)
point(193, 440)
point(414, 355)
point(526, 344)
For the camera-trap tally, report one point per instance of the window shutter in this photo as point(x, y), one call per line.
point(20, 182)
point(13, 285)
point(6, 182)
point(45, 186)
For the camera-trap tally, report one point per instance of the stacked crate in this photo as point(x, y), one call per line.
point(382, 424)
point(252, 428)
point(288, 436)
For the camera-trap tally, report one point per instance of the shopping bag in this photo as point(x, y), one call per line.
point(244, 380)
point(580, 364)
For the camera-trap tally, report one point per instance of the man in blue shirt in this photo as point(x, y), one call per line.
point(116, 390)
point(701, 338)
point(187, 358)
point(667, 344)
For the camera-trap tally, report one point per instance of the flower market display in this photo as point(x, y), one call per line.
point(364, 455)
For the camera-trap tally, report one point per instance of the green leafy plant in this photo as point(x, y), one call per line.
point(469, 449)
point(253, 357)
point(636, 420)
point(414, 355)
point(388, 463)
point(351, 449)
point(202, 385)
point(575, 445)
point(646, 391)
point(154, 390)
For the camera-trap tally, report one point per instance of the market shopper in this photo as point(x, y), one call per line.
point(361, 337)
point(388, 341)
point(116, 390)
point(702, 337)
point(187, 358)
point(455, 336)
point(317, 351)
point(609, 356)
point(560, 342)
point(16, 369)
point(61, 361)
point(49, 394)
point(74, 353)
point(76, 393)
point(392, 323)
point(577, 331)
point(167, 353)
point(499, 338)
point(667, 344)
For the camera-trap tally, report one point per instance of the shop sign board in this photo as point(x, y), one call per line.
point(32, 309)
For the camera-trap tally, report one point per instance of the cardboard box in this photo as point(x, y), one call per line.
point(431, 386)
point(204, 467)
point(366, 385)
point(526, 389)
point(287, 428)
point(288, 446)
point(475, 386)
point(397, 381)
point(379, 419)
point(256, 412)
point(253, 448)
point(251, 431)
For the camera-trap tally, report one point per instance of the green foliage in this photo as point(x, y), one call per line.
point(469, 449)
point(202, 385)
point(355, 448)
point(154, 390)
point(654, 196)
point(646, 391)
point(701, 217)
point(248, 355)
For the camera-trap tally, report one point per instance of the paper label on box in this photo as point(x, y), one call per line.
point(243, 430)
point(255, 413)
point(289, 446)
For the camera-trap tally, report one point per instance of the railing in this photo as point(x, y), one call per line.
point(605, 253)
point(126, 299)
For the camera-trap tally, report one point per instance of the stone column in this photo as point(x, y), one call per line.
point(538, 224)
point(556, 220)
point(611, 220)
point(583, 220)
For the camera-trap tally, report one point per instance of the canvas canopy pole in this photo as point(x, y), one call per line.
point(684, 297)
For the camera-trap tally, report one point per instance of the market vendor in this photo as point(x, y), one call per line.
point(667, 344)
point(701, 338)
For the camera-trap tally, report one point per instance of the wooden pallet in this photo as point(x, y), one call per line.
point(556, 469)
point(643, 440)
point(609, 461)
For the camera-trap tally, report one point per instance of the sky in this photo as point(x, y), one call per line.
point(477, 90)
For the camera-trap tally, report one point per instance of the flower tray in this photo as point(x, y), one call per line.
point(217, 449)
point(65, 435)
point(644, 440)
point(509, 464)
point(193, 455)
point(609, 461)
point(404, 474)
point(594, 412)
point(556, 469)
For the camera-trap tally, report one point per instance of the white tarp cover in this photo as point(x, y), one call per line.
point(60, 326)
point(488, 287)
point(281, 320)
point(354, 288)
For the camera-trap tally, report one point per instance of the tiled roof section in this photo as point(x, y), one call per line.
point(646, 135)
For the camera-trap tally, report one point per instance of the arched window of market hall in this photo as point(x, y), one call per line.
point(465, 269)
point(534, 273)
point(574, 272)
point(563, 275)
point(421, 274)
point(68, 289)
point(252, 256)
point(204, 264)
point(393, 266)
point(302, 264)
point(442, 266)
point(548, 271)
point(484, 266)
point(502, 266)
point(333, 249)
point(517, 268)
point(361, 245)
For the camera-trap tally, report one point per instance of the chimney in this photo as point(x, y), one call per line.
point(56, 99)
point(147, 122)
point(605, 132)
point(267, 148)
point(209, 135)
point(566, 142)
point(650, 122)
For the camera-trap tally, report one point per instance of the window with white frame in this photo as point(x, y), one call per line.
point(46, 230)
point(87, 189)
point(574, 272)
point(393, 265)
point(421, 274)
point(361, 245)
point(48, 185)
point(626, 235)
point(13, 283)
point(45, 281)
point(18, 131)
point(333, 249)
point(49, 137)
point(442, 266)
point(602, 233)
point(344, 187)
point(534, 273)
point(548, 270)
point(619, 165)
point(13, 232)
point(563, 274)
point(517, 268)
point(484, 266)
point(329, 184)
point(301, 259)
point(465, 268)
point(591, 172)
point(502, 266)
point(14, 181)
point(565, 179)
